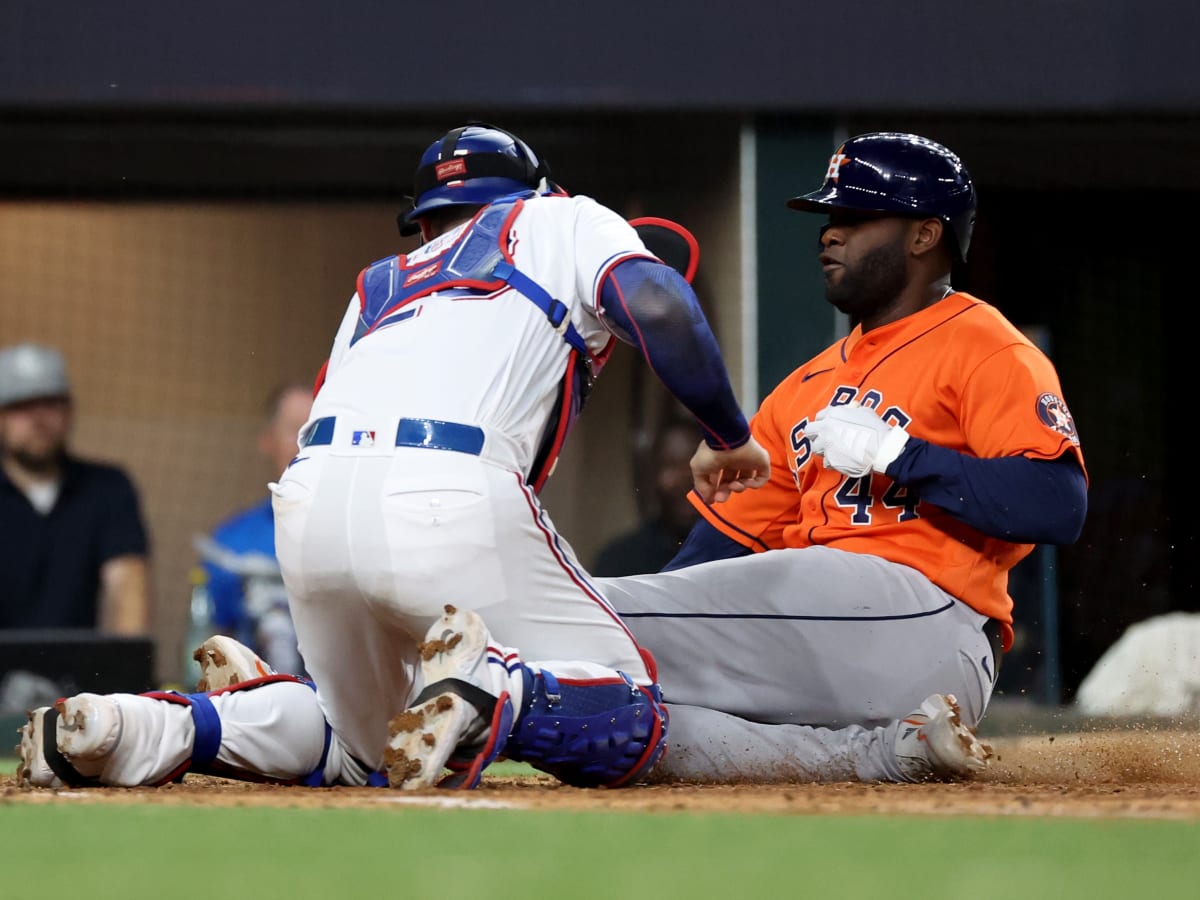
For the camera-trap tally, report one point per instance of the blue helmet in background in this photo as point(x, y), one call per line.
point(904, 174)
point(472, 166)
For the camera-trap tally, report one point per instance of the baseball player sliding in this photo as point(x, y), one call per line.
point(443, 619)
point(913, 464)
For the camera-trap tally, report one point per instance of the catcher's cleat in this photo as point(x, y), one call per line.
point(32, 768)
point(452, 712)
point(932, 744)
point(68, 744)
point(225, 662)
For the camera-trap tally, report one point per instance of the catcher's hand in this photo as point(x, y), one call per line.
point(718, 473)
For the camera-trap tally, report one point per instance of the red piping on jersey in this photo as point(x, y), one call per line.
point(564, 423)
point(534, 508)
point(320, 379)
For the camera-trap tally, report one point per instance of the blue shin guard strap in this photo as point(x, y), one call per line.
point(208, 729)
point(316, 778)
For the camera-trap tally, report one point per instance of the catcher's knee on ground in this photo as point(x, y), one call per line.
point(269, 729)
point(272, 730)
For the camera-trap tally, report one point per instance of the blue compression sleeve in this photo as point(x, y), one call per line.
point(1014, 498)
point(704, 544)
point(651, 306)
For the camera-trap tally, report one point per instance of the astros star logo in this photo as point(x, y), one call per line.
point(1053, 413)
point(836, 162)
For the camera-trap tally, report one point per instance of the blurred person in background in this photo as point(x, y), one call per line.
point(241, 580)
point(653, 543)
point(75, 549)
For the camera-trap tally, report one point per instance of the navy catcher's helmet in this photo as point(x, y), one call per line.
point(904, 174)
point(471, 166)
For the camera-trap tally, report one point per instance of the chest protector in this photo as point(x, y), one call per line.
point(479, 263)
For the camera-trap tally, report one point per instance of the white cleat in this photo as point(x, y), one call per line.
point(225, 662)
point(423, 737)
point(932, 744)
point(87, 729)
point(32, 768)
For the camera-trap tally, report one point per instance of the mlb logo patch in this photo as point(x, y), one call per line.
point(363, 439)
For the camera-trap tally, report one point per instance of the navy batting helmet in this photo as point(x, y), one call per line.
point(904, 174)
point(471, 166)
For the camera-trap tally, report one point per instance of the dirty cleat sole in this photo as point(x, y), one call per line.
point(225, 662)
point(934, 744)
point(85, 729)
point(32, 768)
point(422, 738)
point(453, 718)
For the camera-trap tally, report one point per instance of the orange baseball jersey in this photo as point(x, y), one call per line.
point(957, 374)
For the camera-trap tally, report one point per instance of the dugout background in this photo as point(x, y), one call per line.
point(184, 214)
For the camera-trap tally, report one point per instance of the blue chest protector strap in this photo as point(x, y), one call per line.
point(555, 310)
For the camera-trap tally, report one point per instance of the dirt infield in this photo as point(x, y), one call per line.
point(1119, 774)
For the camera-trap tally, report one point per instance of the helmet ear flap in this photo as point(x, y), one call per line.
point(407, 227)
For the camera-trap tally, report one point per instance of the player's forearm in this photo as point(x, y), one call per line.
point(1014, 498)
point(652, 307)
point(124, 596)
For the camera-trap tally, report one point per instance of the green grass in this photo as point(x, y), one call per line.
point(164, 851)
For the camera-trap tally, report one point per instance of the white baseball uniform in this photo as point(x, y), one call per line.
point(374, 539)
point(414, 488)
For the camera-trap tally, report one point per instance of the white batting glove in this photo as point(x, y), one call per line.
point(854, 440)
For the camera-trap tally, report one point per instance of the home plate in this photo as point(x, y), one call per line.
point(447, 802)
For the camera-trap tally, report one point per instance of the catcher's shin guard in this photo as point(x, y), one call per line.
point(591, 734)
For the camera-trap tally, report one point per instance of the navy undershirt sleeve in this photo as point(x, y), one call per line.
point(704, 544)
point(1014, 498)
point(651, 306)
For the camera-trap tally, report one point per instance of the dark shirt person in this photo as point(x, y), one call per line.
point(74, 550)
point(653, 543)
